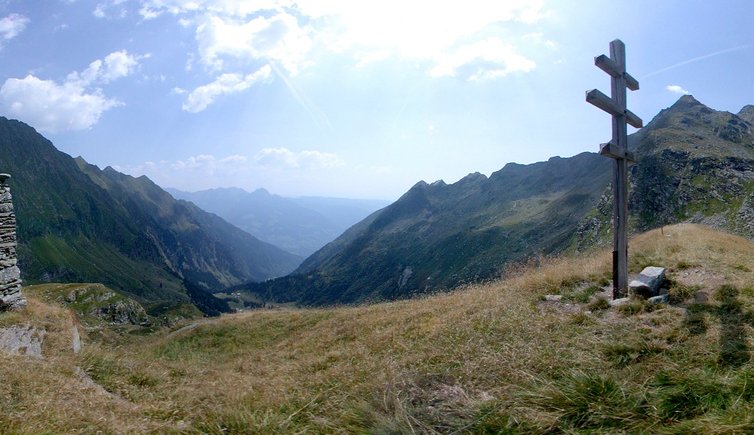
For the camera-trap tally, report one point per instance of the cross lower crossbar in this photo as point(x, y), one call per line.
point(611, 150)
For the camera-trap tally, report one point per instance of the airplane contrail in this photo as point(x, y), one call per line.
point(697, 59)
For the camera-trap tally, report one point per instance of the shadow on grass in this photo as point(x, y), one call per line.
point(734, 348)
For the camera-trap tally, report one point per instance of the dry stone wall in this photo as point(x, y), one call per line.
point(10, 275)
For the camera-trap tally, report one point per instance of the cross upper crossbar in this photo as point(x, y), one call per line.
point(606, 64)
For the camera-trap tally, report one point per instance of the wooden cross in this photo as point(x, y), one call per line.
point(617, 149)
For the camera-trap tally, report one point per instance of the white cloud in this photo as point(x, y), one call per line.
point(676, 89)
point(491, 58)
point(285, 158)
point(75, 104)
point(116, 65)
point(11, 26)
point(53, 107)
point(235, 38)
point(201, 97)
point(120, 64)
point(278, 38)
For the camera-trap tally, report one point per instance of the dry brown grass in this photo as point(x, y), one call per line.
point(485, 357)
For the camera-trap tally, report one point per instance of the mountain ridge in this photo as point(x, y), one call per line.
point(695, 164)
point(77, 223)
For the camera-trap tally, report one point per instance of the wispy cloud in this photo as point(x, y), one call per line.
point(11, 26)
point(676, 89)
point(110, 9)
point(285, 158)
point(228, 83)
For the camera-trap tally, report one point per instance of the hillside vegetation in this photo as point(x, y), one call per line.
point(491, 358)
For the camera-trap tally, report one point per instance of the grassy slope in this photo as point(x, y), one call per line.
point(485, 358)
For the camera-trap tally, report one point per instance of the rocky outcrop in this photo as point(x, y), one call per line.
point(96, 300)
point(10, 275)
point(22, 340)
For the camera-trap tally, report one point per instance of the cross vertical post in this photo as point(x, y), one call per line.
point(617, 149)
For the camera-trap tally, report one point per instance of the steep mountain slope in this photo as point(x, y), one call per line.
point(297, 225)
point(695, 164)
point(79, 224)
point(212, 252)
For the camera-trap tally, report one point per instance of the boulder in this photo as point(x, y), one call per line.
point(647, 283)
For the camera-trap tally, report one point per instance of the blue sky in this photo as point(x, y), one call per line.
point(351, 98)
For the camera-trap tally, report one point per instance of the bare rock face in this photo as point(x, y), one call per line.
point(10, 275)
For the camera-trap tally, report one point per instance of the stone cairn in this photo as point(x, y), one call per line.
point(10, 275)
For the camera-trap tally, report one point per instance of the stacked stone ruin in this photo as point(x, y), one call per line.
point(10, 275)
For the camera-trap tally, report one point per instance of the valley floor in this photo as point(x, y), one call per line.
point(492, 358)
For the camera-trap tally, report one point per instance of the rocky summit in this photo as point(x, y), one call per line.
point(695, 165)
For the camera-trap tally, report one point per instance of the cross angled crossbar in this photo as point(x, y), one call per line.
point(617, 149)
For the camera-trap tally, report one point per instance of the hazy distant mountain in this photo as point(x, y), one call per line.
point(695, 164)
point(297, 225)
point(77, 223)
